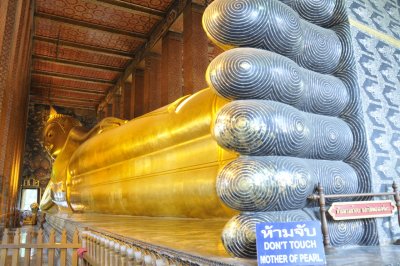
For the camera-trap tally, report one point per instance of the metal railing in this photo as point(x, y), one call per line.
point(321, 198)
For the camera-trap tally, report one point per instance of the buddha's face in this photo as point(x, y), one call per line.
point(54, 138)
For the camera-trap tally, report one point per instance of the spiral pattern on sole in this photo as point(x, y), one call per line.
point(265, 183)
point(333, 138)
point(275, 183)
point(239, 238)
point(239, 234)
point(248, 73)
point(321, 51)
point(336, 178)
point(259, 127)
point(252, 184)
point(324, 13)
point(325, 94)
point(273, 26)
point(248, 22)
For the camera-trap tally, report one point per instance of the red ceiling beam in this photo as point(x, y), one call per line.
point(52, 92)
point(62, 102)
point(65, 88)
point(78, 63)
point(133, 8)
point(109, 52)
point(71, 77)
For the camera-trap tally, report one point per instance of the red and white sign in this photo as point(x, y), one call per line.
point(361, 209)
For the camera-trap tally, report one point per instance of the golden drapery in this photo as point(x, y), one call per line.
point(164, 163)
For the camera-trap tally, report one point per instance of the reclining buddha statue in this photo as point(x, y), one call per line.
point(161, 164)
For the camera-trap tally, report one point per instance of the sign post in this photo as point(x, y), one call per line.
point(361, 209)
point(290, 243)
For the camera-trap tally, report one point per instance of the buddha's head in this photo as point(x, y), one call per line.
point(56, 131)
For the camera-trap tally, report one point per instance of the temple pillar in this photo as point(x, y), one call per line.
point(101, 114)
point(128, 101)
point(152, 83)
point(15, 46)
point(116, 105)
point(138, 82)
point(171, 65)
point(109, 111)
point(213, 51)
point(195, 49)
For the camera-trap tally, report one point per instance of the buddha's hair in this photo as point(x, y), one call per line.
point(63, 121)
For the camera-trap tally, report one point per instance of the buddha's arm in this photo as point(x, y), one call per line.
point(46, 202)
point(79, 134)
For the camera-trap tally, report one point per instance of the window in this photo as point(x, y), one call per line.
point(29, 196)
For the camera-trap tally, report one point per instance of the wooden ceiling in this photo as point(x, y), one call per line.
point(83, 49)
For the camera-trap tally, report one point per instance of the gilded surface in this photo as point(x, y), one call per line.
point(164, 163)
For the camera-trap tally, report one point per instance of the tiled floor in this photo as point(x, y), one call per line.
point(201, 238)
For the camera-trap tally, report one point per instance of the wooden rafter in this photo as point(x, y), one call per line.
point(72, 77)
point(66, 88)
point(135, 35)
point(78, 63)
point(132, 8)
point(75, 66)
point(62, 102)
point(108, 52)
point(68, 98)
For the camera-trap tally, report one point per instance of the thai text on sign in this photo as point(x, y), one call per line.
point(361, 209)
point(290, 243)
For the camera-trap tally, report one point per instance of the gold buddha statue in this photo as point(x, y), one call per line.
point(164, 163)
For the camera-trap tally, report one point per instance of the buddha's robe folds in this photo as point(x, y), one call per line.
point(164, 163)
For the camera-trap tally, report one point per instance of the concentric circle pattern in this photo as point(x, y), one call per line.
point(260, 127)
point(341, 233)
point(321, 51)
point(345, 232)
point(263, 24)
point(336, 177)
point(324, 94)
point(333, 138)
point(272, 26)
point(266, 183)
point(324, 13)
point(239, 238)
point(370, 233)
point(248, 73)
point(296, 71)
point(277, 183)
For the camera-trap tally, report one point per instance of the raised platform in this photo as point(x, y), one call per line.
point(198, 241)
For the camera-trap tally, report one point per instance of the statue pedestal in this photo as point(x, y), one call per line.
point(195, 241)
